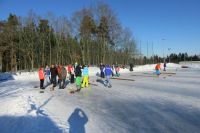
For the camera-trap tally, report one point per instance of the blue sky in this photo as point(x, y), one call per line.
point(164, 24)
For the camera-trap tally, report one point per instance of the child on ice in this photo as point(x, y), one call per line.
point(72, 74)
point(85, 76)
point(78, 74)
point(117, 69)
point(158, 68)
point(108, 73)
point(47, 75)
point(41, 77)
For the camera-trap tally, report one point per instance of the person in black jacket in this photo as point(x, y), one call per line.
point(78, 74)
point(101, 70)
point(165, 65)
point(54, 73)
point(131, 67)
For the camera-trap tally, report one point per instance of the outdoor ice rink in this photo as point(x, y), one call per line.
point(169, 103)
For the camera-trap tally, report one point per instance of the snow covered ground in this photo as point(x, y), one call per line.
point(150, 104)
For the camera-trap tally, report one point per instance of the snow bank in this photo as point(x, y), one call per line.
point(26, 75)
point(151, 67)
point(93, 71)
point(191, 64)
point(18, 76)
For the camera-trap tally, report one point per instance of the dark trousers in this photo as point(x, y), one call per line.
point(53, 81)
point(59, 82)
point(113, 74)
point(41, 83)
point(72, 78)
point(63, 83)
point(102, 74)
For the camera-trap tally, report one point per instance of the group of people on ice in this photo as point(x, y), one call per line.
point(57, 74)
point(114, 68)
point(106, 71)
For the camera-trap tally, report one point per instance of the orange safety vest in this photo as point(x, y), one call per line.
point(157, 67)
point(41, 73)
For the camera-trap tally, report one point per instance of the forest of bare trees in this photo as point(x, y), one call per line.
point(89, 36)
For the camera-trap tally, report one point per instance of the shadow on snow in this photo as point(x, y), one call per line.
point(77, 121)
point(27, 124)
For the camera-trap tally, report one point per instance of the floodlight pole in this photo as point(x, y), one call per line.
point(163, 49)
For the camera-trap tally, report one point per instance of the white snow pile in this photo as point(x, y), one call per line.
point(26, 75)
point(93, 71)
point(190, 64)
point(151, 67)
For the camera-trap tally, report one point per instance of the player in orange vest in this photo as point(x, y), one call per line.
point(41, 77)
point(158, 68)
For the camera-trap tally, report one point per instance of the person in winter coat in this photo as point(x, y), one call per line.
point(63, 76)
point(72, 74)
point(165, 65)
point(101, 70)
point(85, 76)
point(78, 74)
point(117, 69)
point(69, 69)
point(113, 69)
point(47, 74)
point(131, 67)
point(158, 68)
point(108, 73)
point(76, 64)
point(59, 75)
point(54, 73)
point(41, 77)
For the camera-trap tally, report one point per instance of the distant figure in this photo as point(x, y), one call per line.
point(158, 68)
point(47, 75)
point(63, 76)
point(69, 69)
point(54, 73)
point(72, 74)
point(78, 74)
point(117, 69)
point(101, 70)
point(77, 121)
point(85, 76)
point(113, 69)
point(108, 73)
point(131, 67)
point(59, 75)
point(41, 77)
point(76, 64)
point(165, 65)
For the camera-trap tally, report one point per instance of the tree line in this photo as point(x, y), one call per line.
point(89, 36)
point(172, 58)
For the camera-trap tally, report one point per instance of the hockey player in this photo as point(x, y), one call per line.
point(158, 68)
point(85, 76)
point(41, 77)
point(108, 73)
